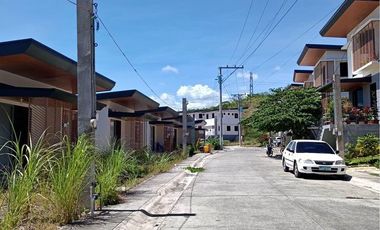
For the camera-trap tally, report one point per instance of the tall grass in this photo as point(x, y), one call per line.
point(29, 165)
point(68, 178)
point(110, 167)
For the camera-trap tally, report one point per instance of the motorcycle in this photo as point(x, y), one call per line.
point(269, 149)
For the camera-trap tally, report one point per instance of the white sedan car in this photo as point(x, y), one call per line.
point(312, 157)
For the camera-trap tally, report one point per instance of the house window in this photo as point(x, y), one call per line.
point(357, 98)
point(228, 114)
point(194, 116)
point(218, 128)
point(236, 128)
point(228, 128)
point(213, 115)
point(365, 46)
point(236, 115)
point(343, 69)
point(206, 116)
point(200, 116)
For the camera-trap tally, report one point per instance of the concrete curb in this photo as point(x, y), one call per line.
point(164, 193)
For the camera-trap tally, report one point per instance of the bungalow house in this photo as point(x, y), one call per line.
point(123, 119)
point(167, 129)
point(38, 87)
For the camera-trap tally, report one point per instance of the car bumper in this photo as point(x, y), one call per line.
point(323, 169)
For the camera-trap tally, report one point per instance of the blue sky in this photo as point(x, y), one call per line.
point(190, 38)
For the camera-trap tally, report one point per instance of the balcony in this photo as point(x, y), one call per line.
point(366, 46)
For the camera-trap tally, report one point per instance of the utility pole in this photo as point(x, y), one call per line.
point(184, 125)
point(239, 115)
point(220, 81)
point(250, 84)
point(338, 123)
point(86, 83)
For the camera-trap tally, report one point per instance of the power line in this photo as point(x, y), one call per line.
point(265, 30)
point(293, 41)
point(255, 30)
point(274, 27)
point(125, 56)
point(128, 60)
point(242, 30)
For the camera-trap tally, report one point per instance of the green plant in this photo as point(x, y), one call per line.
point(69, 178)
point(195, 169)
point(29, 164)
point(110, 167)
point(367, 145)
point(214, 142)
point(191, 150)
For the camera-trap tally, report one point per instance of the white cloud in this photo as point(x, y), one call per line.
point(168, 100)
point(246, 75)
point(198, 96)
point(169, 69)
point(277, 68)
point(197, 91)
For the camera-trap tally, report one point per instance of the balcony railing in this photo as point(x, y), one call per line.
point(366, 45)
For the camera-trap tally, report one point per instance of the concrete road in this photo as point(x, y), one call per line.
point(244, 189)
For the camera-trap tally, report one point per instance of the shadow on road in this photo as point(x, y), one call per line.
point(326, 177)
point(276, 157)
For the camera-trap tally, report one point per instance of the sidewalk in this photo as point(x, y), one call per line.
point(154, 197)
point(365, 177)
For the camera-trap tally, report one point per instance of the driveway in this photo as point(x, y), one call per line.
point(244, 189)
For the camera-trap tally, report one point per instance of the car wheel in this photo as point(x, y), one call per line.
point(296, 172)
point(284, 167)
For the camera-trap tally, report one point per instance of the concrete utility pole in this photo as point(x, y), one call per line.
point(184, 125)
point(220, 81)
point(250, 84)
point(239, 115)
point(338, 123)
point(86, 82)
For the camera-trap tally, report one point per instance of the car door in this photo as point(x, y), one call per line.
point(292, 154)
point(288, 154)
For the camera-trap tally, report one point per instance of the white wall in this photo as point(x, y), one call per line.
point(228, 120)
point(103, 129)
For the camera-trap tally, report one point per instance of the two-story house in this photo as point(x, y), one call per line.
point(212, 128)
point(358, 21)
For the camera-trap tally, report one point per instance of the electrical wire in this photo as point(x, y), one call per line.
point(264, 31)
point(293, 41)
point(242, 30)
point(126, 57)
point(255, 30)
point(274, 27)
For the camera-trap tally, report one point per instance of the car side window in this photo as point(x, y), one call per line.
point(289, 146)
point(293, 147)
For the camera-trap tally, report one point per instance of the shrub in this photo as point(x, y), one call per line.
point(367, 145)
point(110, 168)
point(214, 142)
point(69, 178)
point(23, 178)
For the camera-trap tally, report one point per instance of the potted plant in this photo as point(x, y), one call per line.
point(372, 116)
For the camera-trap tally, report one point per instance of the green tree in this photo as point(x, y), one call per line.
point(287, 109)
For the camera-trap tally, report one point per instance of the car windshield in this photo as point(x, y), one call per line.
point(314, 147)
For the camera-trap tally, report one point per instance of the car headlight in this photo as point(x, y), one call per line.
point(307, 161)
point(339, 162)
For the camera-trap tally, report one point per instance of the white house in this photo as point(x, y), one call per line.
point(212, 128)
